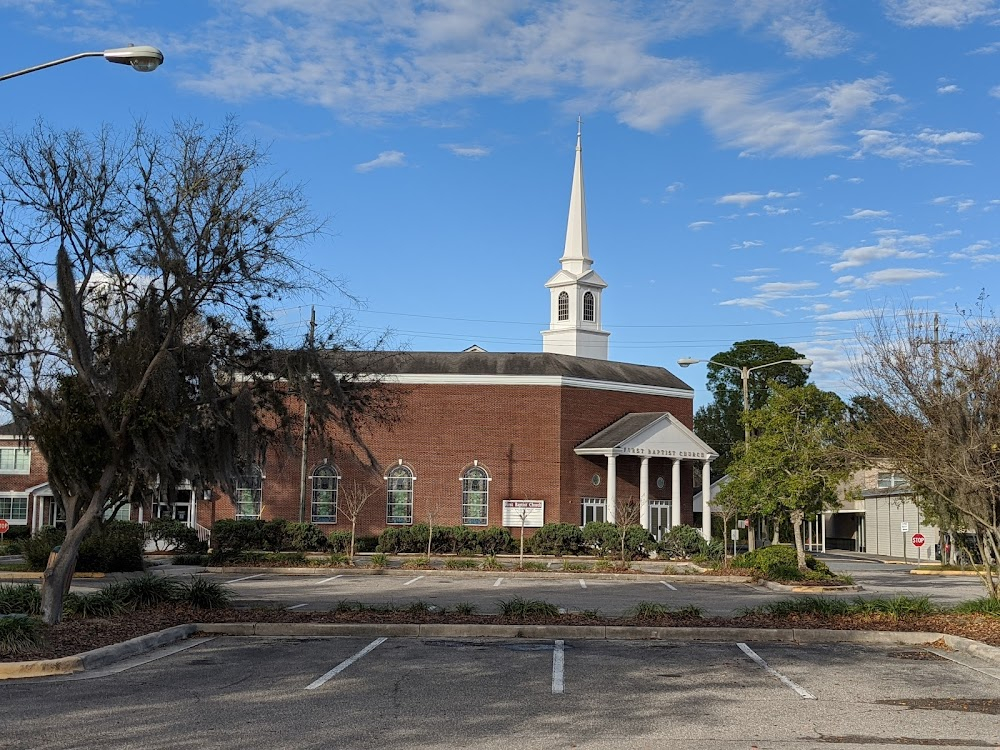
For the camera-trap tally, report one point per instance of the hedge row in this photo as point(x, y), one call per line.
point(112, 547)
point(600, 538)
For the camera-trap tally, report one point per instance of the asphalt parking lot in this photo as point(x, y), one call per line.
point(353, 692)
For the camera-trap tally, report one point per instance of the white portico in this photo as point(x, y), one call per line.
point(649, 435)
point(575, 290)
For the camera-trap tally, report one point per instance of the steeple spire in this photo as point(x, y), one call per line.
point(575, 290)
point(576, 251)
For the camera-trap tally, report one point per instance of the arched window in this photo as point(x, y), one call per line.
point(563, 306)
point(325, 487)
point(475, 496)
point(248, 493)
point(588, 306)
point(399, 495)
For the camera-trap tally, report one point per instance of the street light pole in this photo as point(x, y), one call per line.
point(143, 59)
point(744, 372)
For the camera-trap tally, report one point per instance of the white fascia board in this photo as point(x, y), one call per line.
point(544, 380)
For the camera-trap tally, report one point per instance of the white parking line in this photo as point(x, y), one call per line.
point(345, 664)
point(774, 673)
point(499, 581)
point(245, 578)
point(669, 586)
point(583, 584)
point(297, 606)
point(558, 667)
point(413, 580)
point(334, 578)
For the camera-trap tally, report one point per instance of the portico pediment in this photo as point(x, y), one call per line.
point(652, 434)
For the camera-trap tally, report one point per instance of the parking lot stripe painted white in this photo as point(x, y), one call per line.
point(345, 664)
point(498, 582)
point(775, 673)
point(245, 578)
point(669, 585)
point(296, 606)
point(583, 584)
point(558, 667)
point(413, 580)
point(334, 578)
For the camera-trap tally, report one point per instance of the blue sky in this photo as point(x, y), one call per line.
point(764, 169)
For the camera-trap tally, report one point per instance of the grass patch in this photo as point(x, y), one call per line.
point(575, 567)
point(492, 563)
point(518, 607)
point(418, 607)
point(147, 590)
point(416, 563)
point(534, 566)
point(98, 604)
point(465, 608)
point(15, 568)
point(379, 560)
point(647, 610)
point(896, 606)
point(20, 598)
point(982, 606)
point(19, 634)
point(804, 605)
point(201, 560)
point(462, 563)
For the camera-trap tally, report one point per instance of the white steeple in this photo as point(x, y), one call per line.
point(575, 290)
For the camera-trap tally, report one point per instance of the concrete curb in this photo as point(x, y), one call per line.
point(771, 585)
point(109, 654)
point(932, 572)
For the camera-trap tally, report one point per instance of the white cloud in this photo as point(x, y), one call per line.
point(867, 213)
point(832, 177)
point(989, 49)
point(995, 92)
point(927, 146)
point(468, 152)
point(844, 315)
point(746, 245)
point(855, 180)
point(949, 88)
point(785, 288)
point(384, 159)
point(889, 276)
point(887, 247)
point(748, 279)
point(673, 187)
point(941, 139)
point(696, 225)
point(745, 199)
point(951, 13)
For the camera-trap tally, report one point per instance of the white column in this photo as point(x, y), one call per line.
point(644, 493)
point(612, 488)
point(675, 493)
point(822, 538)
point(706, 496)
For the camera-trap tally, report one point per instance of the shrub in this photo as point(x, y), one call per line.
point(518, 607)
point(234, 537)
point(647, 611)
point(191, 560)
point(460, 563)
point(779, 563)
point(20, 598)
point(534, 565)
point(339, 541)
point(274, 535)
point(601, 537)
point(379, 560)
point(305, 537)
point(19, 634)
point(557, 539)
point(17, 534)
point(204, 594)
point(806, 605)
point(574, 567)
point(101, 603)
point(495, 540)
point(115, 547)
point(168, 534)
point(149, 590)
point(605, 539)
point(417, 563)
point(896, 606)
point(394, 539)
point(465, 608)
point(682, 542)
point(365, 543)
point(491, 563)
point(36, 549)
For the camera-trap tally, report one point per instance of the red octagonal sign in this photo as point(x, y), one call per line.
point(918, 540)
point(4, 526)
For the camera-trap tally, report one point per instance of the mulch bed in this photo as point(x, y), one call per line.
point(73, 635)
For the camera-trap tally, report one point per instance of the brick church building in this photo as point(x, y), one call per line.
point(483, 439)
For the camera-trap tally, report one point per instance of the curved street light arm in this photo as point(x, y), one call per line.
point(142, 58)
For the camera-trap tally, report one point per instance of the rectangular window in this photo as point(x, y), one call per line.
point(399, 496)
point(14, 509)
point(593, 509)
point(124, 513)
point(15, 460)
point(887, 480)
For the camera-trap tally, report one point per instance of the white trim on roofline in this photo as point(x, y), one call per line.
point(545, 380)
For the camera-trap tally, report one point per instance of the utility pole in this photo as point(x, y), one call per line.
point(305, 424)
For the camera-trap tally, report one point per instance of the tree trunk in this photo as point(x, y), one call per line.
point(777, 528)
point(520, 562)
point(58, 575)
point(350, 550)
point(751, 535)
point(800, 550)
point(430, 535)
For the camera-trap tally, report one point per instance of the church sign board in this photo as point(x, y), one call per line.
point(533, 512)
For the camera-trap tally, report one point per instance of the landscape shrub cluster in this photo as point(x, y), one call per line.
point(112, 547)
point(779, 563)
point(456, 540)
point(171, 535)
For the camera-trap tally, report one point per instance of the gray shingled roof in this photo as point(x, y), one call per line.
point(528, 363)
point(621, 430)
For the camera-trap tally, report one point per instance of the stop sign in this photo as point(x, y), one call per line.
point(918, 540)
point(4, 526)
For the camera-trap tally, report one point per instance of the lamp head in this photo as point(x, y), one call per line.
point(687, 361)
point(144, 59)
